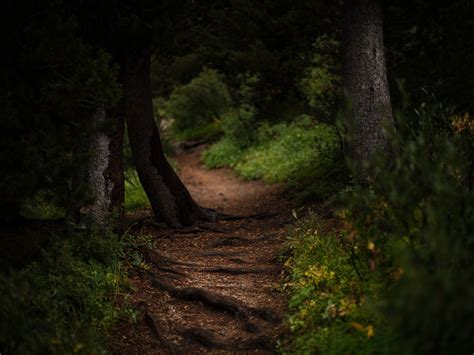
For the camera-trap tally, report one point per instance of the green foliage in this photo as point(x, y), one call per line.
point(198, 103)
point(418, 214)
point(239, 126)
point(296, 150)
point(64, 302)
point(298, 153)
point(321, 82)
point(271, 38)
point(207, 131)
point(135, 196)
point(330, 306)
point(224, 153)
point(44, 205)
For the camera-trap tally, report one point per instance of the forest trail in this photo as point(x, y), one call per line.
point(212, 289)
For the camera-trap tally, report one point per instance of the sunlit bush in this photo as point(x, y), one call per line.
point(295, 153)
point(199, 103)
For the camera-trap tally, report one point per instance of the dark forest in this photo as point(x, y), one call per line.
point(191, 176)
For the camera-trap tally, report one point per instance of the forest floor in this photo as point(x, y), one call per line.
point(214, 288)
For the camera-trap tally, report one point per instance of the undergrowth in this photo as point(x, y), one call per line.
point(331, 308)
point(66, 300)
point(397, 278)
point(297, 153)
point(135, 196)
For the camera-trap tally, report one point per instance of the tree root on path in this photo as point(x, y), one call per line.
point(238, 260)
point(210, 340)
point(201, 228)
point(170, 271)
point(214, 300)
point(229, 217)
point(161, 260)
point(238, 241)
point(256, 217)
point(221, 253)
point(159, 334)
point(232, 271)
point(231, 241)
point(216, 269)
point(206, 338)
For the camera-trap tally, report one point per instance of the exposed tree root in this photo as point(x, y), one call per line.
point(251, 327)
point(237, 241)
point(256, 217)
point(210, 340)
point(161, 260)
point(231, 241)
point(232, 271)
point(237, 260)
point(159, 334)
point(216, 269)
point(201, 228)
point(214, 300)
point(170, 270)
point(220, 253)
point(230, 217)
point(188, 145)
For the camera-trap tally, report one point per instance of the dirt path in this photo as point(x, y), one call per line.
point(212, 290)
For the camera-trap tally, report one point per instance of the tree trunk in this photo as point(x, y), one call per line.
point(169, 198)
point(101, 174)
point(115, 168)
point(365, 82)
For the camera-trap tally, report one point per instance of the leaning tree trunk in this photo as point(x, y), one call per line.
point(101, 174)
point(169, 198)
point(365, 82)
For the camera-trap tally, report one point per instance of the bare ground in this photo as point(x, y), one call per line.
point(212, 289)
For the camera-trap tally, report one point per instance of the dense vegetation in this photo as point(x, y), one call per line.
point(382, 264)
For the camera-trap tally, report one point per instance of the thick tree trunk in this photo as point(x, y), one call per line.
point(169, 198)
point(365, 82)
point(102, 173)
point(115, 168)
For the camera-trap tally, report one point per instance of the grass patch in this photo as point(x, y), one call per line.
point(135, 196)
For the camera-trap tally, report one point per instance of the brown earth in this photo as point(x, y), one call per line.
point(212, 288)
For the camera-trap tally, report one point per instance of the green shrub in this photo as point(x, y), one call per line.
point(198, 103)
point(64, 302)
point(290, 151)
point(224, 153)
point(321, 83)
point(297, 153)
point(239, 126)
point(419, 215)
point(330, 306)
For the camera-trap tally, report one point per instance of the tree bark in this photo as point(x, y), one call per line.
point(365, 82)
point(101, 175)
point(115, 168)
point(169, 198)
